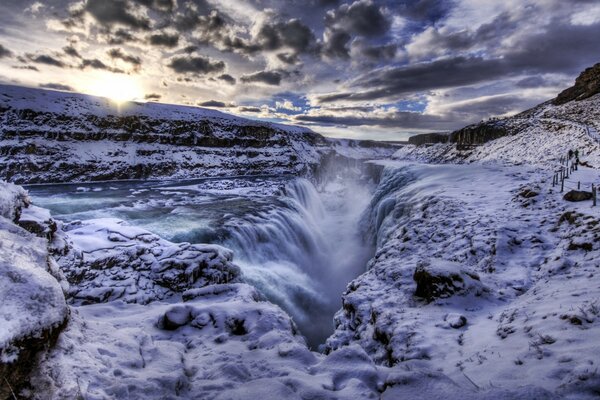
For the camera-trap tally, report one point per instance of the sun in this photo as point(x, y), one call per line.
point(119, 88)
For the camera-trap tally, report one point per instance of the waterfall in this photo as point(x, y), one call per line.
point(301, 254)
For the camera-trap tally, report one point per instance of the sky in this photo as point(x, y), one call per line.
point(369, 69)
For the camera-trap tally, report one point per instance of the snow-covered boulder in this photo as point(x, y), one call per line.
point(32, 304)
point(110, 260)
point(438, 279)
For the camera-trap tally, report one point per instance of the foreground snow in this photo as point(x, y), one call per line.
point(520, 302)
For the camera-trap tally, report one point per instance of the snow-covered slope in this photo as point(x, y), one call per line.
point(482, 273)
point(540, 137)
point(50, 136)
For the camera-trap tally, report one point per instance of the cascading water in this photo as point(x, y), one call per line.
point(298, 254)
point(299, 246)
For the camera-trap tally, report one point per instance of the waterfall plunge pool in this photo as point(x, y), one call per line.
point(298, 245)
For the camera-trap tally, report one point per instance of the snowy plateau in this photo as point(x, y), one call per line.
point(166, 252)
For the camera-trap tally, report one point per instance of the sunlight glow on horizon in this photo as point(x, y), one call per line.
point(116, 87)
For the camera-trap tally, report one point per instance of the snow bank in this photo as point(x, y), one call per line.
point(32, 304)
point(109, 259)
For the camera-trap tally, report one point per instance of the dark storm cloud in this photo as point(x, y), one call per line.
point(531, 82)
point(390, 120)
point(545, 52)
point(164, 39)
point(118, 53)
point(268, 77)
point(120, 36)
point(158, 5)
point(227, 78)
point(153, 97)
point(376, 52)
point(213, 103)
point(110, 12)
point(57, 86)
point(46, 59)
point(249, 109)
point(336, 43)
point(423, 10)
point(95, 63)
point(71, 51)
point(4, 52)
point(293, 34)
point(196, 65)
point(363, 17)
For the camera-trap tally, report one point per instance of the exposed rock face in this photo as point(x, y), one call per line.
point(586, 85)
point(577, 195)
point(479, 133)
point(54, 137)
point(428, 138)
point(33, 310)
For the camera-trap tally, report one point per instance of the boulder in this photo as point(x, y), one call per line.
point(439, 279)
point(578, 195)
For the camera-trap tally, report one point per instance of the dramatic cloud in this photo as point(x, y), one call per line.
point(267, 77)
point(4, 52)
point(291, 34)
point(57, 86)
point(212, 103)
point(227, 78)
point(362, 17)
point(196, 65)
point(71, 51)
point(46, 59)
point(394, 65)
point(111, 12)
point(164, 39)
point(118, 53)
point(153, 97)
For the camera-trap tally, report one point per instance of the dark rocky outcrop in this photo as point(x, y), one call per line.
point(586, 85)
point(428, 138)
point(479, 133)
point(577, 195)
point(439, 279)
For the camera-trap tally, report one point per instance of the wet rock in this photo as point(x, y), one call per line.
point(577, 195)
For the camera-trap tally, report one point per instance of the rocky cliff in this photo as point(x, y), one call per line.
point(586, 85)
point(48, 136)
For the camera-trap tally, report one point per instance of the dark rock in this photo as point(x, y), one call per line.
point(428, 138)
point(578, 195)
point(528, 193)
point(175, 318)
point(586, 85)
point(440, 279)
point(477, 134)
point(580, 246)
